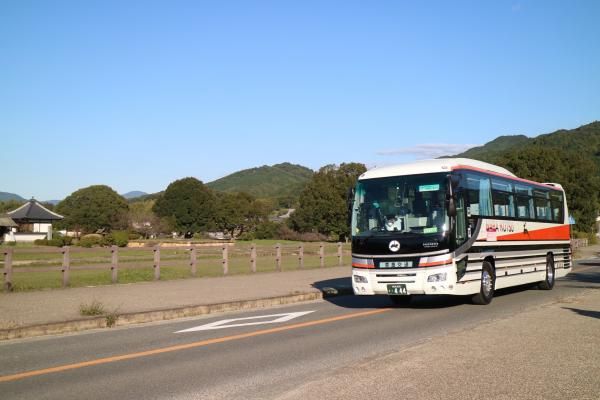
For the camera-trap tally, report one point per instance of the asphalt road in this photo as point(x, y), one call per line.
point(261, 360)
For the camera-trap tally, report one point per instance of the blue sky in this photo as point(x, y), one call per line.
point(136, 94)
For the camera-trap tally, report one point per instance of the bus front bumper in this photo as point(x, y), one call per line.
point(406, 281)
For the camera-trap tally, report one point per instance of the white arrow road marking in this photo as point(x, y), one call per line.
point(227, 323)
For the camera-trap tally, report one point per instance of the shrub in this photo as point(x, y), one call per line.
point(56, 242)
point(121, 238)
point(247, 236)
point(266, 230)
point(285, 233)
point(90, 240)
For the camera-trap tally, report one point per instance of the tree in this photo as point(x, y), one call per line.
point(10, 205)
point(190, 203)
point(144, 221)
point(323, 203)
point(238, 213)
point(93, 208)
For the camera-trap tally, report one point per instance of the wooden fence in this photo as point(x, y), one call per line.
point(196, 254)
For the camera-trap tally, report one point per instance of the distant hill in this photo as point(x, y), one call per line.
point(498, 145)
point(276, 181)
point(584, 140)
point(134, 194)
point(5, 196)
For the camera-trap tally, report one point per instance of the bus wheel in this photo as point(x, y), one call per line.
point(548, 283)
point(400, 300)
point(486, 290)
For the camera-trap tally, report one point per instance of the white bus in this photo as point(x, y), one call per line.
point(457, 227)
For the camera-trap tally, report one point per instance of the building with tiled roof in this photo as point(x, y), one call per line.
point(34, 221)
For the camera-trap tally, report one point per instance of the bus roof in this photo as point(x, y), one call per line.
point(433, 166)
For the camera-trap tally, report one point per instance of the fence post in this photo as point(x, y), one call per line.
point(193, 260)
point(156, 262)
point(66, 265)
point(253, 257)
point(8, 285)
point(278, 257)
point(322, 255)
point(114, 264)
point(339, 253)
point(225, 259)
point(301, 256)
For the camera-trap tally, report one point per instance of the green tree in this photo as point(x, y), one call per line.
point(190, 203)
point(239, 213)
point(322, 206)
point(10, 205)
point(143, 220)
point(93, 208)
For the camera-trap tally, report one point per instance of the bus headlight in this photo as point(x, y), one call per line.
point(360, 279)
point(441, 277)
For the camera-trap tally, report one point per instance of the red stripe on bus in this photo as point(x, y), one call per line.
point(555, 233)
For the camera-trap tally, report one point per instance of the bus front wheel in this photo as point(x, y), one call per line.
point(548, 283)
point(486, 289)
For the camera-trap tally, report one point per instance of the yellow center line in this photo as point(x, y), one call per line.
point(106, 360)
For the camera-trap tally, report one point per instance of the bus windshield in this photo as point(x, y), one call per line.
point(411, 204)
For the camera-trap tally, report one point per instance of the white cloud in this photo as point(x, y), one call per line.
point(428, 150)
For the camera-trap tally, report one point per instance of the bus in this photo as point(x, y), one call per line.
point(455, 226)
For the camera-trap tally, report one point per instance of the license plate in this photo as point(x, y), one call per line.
point(395, 264)
point(397, 290)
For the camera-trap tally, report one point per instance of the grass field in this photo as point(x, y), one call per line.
point(38, 267)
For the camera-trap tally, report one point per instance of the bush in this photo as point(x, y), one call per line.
point(285, 233)
point(90, 240)
point(248, 236)
point(121, 238)
point(59, 241)
point(266, 230)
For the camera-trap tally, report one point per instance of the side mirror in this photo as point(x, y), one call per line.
point(350, 198)
point(450, 197)
point(451, 207)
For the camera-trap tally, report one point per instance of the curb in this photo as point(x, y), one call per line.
point(111, 320)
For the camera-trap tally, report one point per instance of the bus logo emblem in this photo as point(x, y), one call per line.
point(394, 245)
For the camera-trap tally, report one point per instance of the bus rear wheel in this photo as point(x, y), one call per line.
point(488, 282)
point(548, 283)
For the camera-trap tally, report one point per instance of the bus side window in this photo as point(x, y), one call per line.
point(542, 205)
point(524, 201)
point(502, 198)
point(478, 194)
point(556, 200)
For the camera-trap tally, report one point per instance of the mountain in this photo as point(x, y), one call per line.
point(498, 145)
point(276, 181)
point(5, 196)
point(584, 140)
point(134, 194)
